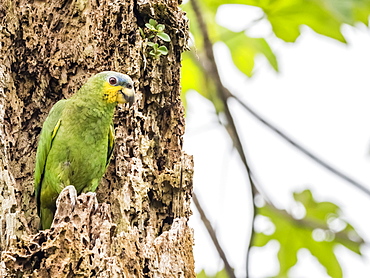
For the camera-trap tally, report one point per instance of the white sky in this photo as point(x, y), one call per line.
point(321, 98)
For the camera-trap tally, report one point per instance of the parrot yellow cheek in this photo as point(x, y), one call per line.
point(112, 93)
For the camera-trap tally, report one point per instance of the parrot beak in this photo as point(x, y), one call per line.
point(129, 95)
point(126, 95)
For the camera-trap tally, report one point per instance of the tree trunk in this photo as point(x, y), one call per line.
point(136, 223)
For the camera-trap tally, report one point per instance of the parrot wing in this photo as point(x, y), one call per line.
point(48, 132)
point(110, 143)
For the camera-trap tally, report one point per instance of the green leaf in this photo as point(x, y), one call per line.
point(191, 75)
point(287, 16)
point(155, 46)
point(202, 274)
point(163, 50)
point(160, 27)
point(141, 33)
point(354, 242)
point(317, 211)
point(153, 22)
point(245, 49)
point(324, 252)
point(164, 36)
point(260, 239)
point(193, 78)
point(295, 234)
point(220, 274)
point(323, 16)
point(151, 27)
point(286, 19)
point(152, 44)
point(213, 5)
point(287, 255)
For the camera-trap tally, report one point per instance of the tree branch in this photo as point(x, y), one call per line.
point(224, 94)
point(213, 236)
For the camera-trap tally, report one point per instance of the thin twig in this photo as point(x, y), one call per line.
point(211, 231)
point(224, 94)
point(315, 158)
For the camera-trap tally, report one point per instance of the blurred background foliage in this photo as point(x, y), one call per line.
point(320, 226)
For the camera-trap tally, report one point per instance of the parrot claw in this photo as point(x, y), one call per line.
point(66, 202)
point(72, 195)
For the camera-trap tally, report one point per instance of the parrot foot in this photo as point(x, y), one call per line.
point(71, 193)
point(65, 203)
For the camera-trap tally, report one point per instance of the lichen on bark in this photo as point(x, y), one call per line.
point(136, 223)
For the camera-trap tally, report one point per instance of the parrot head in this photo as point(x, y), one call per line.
point(114, 87)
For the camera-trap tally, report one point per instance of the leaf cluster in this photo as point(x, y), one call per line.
point(286, 18)
point(243, 49)
point(156, 30)
point(320, 230)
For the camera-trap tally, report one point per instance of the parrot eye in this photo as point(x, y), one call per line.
point(129, 86)
point(112, 80)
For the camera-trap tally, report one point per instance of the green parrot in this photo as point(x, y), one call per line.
point(77, 140)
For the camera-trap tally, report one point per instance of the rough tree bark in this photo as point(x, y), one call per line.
point(136, 223)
